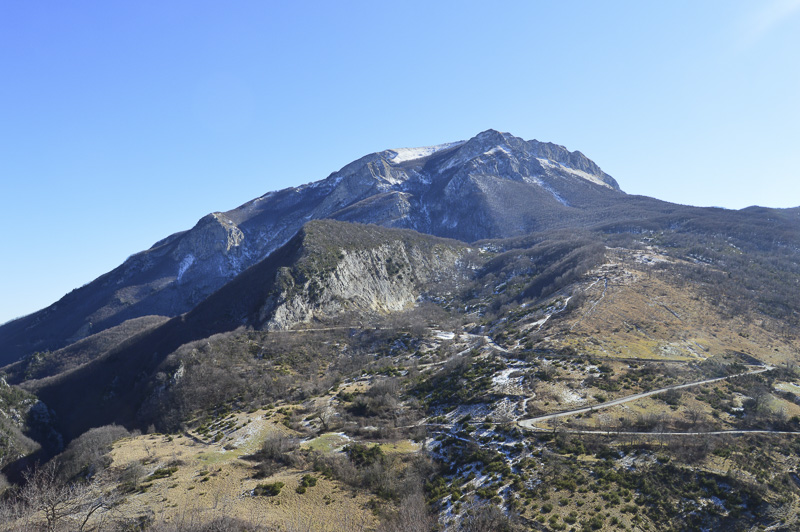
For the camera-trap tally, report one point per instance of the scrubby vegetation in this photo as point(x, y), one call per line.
point(416, 415)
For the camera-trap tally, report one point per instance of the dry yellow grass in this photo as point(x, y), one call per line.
point(212, 481)
point(644, 314)
point(401, 447)
point(328, 442)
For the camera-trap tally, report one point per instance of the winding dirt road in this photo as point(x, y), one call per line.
point(531, 423)
point(640, 433)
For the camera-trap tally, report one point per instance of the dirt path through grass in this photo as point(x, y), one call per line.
point(531, 423)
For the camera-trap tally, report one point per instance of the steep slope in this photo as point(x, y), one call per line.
point(43, 364)
point(327, 269)
point(357, 268)
point(493, 185)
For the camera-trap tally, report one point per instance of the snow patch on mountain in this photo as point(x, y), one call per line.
point(555, 194)
point(187, 261)
point(497, 150)
point(577, 173)
point(394, 180)
point(401, 155)
point(587, 176)
point(534, 180)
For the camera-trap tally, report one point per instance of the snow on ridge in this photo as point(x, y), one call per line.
point(589, 177)
point(402, 155)
point(577, 173)
point(498, 149)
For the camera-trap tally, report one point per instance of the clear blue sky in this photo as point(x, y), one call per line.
point(123, 122)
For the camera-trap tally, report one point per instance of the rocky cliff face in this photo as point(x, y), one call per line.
point(387, 277)
point(493, 185)
point(23, 417)
point(327, 268)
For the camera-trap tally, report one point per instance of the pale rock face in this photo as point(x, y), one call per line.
point(383, 279)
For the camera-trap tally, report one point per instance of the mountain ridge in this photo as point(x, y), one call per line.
point(494, 185)
point(426, 194)
point(309, 278)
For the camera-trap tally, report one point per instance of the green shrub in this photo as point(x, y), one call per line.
point(162, 472)
point(268, 490)
point(363, 456)
point(306, 482)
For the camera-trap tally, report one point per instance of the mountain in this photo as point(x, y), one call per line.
point(327, 270)
point(491, 186)
point(439, 366)
point(570, 357)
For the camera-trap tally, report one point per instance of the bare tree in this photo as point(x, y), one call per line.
point(412, 516)
point(4, 484)
point(43, 493)
point(484, 517)
point(71, 505)
point(694, 415)
point(328, 417)
point(760, 398)
point(132, 475)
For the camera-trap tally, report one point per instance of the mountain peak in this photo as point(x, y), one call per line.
point(493, 135)
point(491, 186)
point(530, 159)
